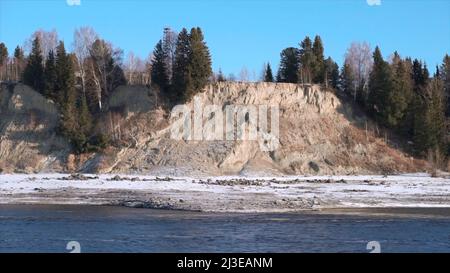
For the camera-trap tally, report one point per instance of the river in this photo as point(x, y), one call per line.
point(48, 228)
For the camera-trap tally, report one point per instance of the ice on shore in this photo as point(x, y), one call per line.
point(231, 193)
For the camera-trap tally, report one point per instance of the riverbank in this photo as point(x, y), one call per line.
point(229, 194)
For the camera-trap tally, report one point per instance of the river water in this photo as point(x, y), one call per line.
point(41, 228)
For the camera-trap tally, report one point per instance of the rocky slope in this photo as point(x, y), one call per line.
point(318, 134)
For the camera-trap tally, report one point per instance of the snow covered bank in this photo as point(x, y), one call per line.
point(228, 194)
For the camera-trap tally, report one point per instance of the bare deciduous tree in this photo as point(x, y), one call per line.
point(244, 75)
point(48, 41)
point(359, 59)
point(83, 38)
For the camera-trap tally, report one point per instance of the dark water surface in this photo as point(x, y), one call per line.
point(39, 228)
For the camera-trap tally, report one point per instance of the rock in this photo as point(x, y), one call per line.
point(313, 165)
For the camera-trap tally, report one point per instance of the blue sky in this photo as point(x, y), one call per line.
point(243, 33)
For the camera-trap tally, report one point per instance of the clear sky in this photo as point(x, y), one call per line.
point(243, 33)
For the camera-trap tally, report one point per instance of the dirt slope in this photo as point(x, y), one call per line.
point(318, 135)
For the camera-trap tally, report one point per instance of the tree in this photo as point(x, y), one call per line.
point(65, 86)
point(106, 71)
point(192, 68)
point(135, 69)
point(380, 86)
point(48, 40)
point(83, 38)
point(445, 77)
point(181, 69)
point(438, 122)
point(34, 71)
point(50, 77)
point(169, 44)
point(159, 70)
point(18, 63)
point(3, 60)
point(199, 63)
point(347, 79)
point(307, 61)
point(84, 116)
point(289, 65)
point(331, 73)
point(244, 75)
point(319, 61)
point(401, 94)
point(268, 76)
point(220, 76)
point(359, 59)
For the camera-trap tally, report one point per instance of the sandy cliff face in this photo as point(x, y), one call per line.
point(28, 139)
point(318, 134)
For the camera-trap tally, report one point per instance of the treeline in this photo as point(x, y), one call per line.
point(399, 94)
point(181, 64)
point(81, 82)
point(306, 65)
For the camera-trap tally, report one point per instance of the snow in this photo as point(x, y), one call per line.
point(408, 190)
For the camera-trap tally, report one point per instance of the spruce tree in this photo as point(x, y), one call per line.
point(401, 94)
point(181, 70)
point(268, 76)
point(346, 81)
point(445, 76)
point(319, 61)
point(19, 62)
point(220, 76)
point(289, 66)
point(50, 76)
point(331, 73)
point(199, 63)
point(307, 61)
point(380, 86)
point(33, 75)
point(3, 60)
point(438, 122)
point(84, 116)
point(159, 71)
point(66, 94)
point(3, 54)
point(422, 109)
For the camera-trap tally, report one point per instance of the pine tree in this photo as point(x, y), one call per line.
point(33, 75)
point(289, 66)
point(159, 71)
point(199, 63)
point(268, 76)
point(319, 61)
point(50, 76)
